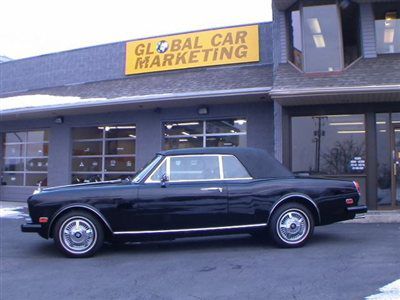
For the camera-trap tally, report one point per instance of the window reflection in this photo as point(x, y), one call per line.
point(387, 27)
point(210, 133)
point(329, 144)
point(103, 153)
point(25, 158)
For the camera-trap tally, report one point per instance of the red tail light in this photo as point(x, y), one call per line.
point(357, 185)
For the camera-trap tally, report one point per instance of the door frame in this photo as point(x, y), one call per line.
point(393, 153)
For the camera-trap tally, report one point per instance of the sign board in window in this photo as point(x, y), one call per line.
point(198, 49)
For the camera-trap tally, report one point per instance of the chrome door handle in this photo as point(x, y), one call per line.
point(212, 189)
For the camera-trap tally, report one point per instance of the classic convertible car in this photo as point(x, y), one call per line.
point(191, 192)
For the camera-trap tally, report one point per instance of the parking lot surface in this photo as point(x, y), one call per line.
point(342, 261)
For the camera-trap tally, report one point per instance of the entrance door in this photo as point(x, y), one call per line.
point(396, 167)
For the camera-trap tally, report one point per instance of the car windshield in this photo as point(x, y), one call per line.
point(150, 165)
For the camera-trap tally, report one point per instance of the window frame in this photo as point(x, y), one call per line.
point(167, 159)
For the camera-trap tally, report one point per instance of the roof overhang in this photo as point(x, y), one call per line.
point(91, 106)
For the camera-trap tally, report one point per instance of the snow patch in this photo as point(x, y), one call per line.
point(12, 213)
point(388, 292)
point(30, 101)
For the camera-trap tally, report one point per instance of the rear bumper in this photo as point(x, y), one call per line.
point(31, 227)
point(361, 209)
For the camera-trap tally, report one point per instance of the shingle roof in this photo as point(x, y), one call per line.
point(373, 72)
point(174, 82)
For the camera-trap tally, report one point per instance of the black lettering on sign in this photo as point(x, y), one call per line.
point(168, 59)
point(241, 51)
point(241, 37)
point(181, 58)
point(193, 56)
point(176, 45)
point(142, 63)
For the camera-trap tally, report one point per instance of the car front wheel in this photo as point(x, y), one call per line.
point(291, 225)
point(78, 234)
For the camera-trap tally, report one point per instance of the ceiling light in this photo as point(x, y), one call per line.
point(381, 123)
point(345, 123)
point(319, 41)
point(185, 133)
point(388, 37)
point(240, 122)
point(313, 23)
point(183, 140)
point(350, 131)
point(188, 124)
point(126, 127)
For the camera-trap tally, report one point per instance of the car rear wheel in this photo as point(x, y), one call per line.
point(78, 234)
point(291, 225)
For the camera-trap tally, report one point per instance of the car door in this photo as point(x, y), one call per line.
point(245, 207)
point(194, 196)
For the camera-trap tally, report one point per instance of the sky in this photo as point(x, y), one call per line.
point(30, 28)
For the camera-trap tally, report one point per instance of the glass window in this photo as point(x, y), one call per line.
point(384, 159)
point(386, 129)
point(296, 38)
point(201, 167)
point(324, 36)
point(103, 153)
point(233, 168)
point(331, 144)
point(322, 41)
point(387, 27)
point(161, 170)
point(212, 133)
point(350, 13)
point(25, 158)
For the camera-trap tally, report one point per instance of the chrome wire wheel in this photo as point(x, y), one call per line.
point(78, 235)
point(293, 226)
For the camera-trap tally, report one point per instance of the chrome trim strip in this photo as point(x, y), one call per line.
point(77, 206)
point(191, 229)
point(288, 196)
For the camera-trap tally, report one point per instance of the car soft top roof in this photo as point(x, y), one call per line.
point(258, 162)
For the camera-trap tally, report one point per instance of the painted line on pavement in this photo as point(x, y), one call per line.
point(388, 292)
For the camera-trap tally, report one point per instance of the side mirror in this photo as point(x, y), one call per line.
point(164, 180)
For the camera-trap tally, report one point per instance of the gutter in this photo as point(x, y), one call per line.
point(154, 98)
point(292, 93)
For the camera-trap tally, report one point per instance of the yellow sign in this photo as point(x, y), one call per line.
point(192, 50)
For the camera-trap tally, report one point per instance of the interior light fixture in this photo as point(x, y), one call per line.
point(240, 122)
point(345, 123)
point(350, 131)
point(314, 25)
point(188, 124)
point(388, 36)
point(319, 41)
point(185, 133)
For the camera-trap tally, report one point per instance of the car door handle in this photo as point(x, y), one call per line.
point(212, 189)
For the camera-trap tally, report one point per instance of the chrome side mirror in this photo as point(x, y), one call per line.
point(164, 180)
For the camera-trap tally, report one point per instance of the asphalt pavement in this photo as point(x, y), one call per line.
point(342, 261)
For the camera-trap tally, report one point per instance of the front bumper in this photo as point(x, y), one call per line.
point(361, 209)
point(31, 227)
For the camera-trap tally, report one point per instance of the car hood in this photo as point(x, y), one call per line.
point(88, 185)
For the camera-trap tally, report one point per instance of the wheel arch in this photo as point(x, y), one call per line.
point(83, 207)
point(301, 199)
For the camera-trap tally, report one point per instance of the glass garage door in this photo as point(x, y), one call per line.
point(25, 158)
point(103, 153)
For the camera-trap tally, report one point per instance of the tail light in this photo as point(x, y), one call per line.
point(357, 186)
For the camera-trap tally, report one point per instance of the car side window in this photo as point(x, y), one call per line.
point(200, 167)
point(161, 170)
point(233, 168)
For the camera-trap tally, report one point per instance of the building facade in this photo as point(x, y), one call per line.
point(318, 87)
